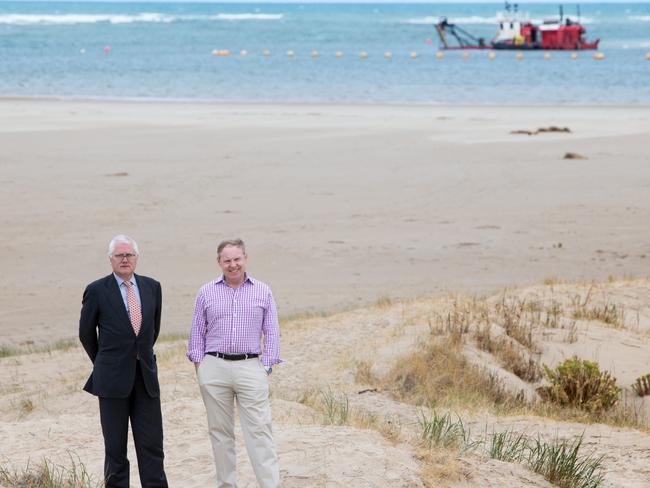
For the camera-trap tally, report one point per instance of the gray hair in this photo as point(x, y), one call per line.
point(122, 239)
point(231, 242)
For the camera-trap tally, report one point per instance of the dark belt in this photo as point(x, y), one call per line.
point(232, 357)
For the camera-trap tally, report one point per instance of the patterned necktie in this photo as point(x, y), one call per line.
point(134, 307)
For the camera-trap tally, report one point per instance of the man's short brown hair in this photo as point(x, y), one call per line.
point(231, 242)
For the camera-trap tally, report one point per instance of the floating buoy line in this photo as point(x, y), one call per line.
point(412, 55)
point(415, 55)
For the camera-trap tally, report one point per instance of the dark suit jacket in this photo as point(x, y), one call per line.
point(107, 336)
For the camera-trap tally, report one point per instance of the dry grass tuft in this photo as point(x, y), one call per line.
point(439, 374)
point(49, 475)
point(642, 385)
point(553, 280)
point(31, 348)
point(363, 374)
point(384, 302)
point(172, 337)
point(334, 409)
point(441, 468)
point(516, 351)
point(608, 313)
point(26, 406)
point(572, 333)
point(456, 322)
point(509, 354)
point(518, 318)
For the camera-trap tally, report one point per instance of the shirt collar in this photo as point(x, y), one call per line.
point(120, 280)
point(247, 279)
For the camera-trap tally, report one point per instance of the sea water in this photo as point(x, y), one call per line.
point(151, 51)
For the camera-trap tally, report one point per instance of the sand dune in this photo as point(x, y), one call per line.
point(322, 356)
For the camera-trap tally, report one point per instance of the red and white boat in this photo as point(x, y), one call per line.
point(516, 31)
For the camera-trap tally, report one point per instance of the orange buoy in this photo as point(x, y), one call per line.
point(440, 55)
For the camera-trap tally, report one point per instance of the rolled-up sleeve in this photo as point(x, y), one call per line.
point(196, 343)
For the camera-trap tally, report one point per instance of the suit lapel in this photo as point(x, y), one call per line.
point(115, 299)
point(146, 299)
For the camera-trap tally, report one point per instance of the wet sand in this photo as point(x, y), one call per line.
point(339, 204)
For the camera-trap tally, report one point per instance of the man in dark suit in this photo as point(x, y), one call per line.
point(119, 324)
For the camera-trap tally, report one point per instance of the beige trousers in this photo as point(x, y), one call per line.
point(246, 382)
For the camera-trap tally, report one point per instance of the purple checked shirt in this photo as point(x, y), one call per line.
point(234, 320)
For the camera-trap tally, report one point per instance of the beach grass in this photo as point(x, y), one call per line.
point(334, 409)
point(508, 446)
point(559, 461)
point(49, 475)
point(561, 464)
point(437, 374)
point(60, 345)
point(441, 430)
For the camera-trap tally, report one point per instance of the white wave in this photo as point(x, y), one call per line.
point(58, 19)
point(583, 20)
point(248, 16)
point(70, 19)
point(452, 20)
point(632, 44)
point(641, 18)
point(483, 20)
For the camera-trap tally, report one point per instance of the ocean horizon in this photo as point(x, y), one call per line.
point(310, 52)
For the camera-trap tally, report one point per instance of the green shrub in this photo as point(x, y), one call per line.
point(580, 384)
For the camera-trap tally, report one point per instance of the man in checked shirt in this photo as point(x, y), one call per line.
point(231, 317)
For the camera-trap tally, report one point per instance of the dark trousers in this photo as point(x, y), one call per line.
point(146, 425)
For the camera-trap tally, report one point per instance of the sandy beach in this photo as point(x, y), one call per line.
point(339, 204)
point(374, 224)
